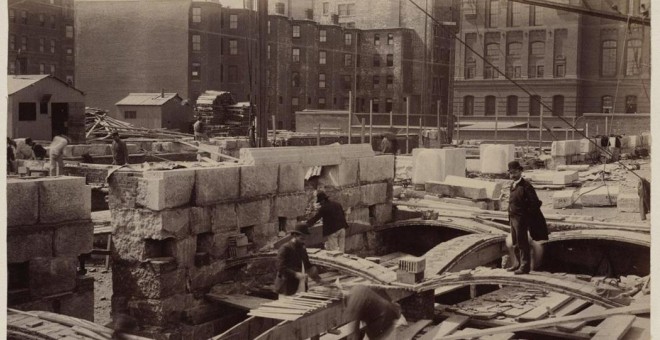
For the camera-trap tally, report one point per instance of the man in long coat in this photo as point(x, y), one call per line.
point(293, 266)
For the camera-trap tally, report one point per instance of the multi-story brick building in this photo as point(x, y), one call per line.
point(573, 63)
point(41, 38)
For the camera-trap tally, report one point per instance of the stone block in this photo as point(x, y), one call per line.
point(64, 199)
point(382, 213)
point(605, 196)
point(253, 213)
point(359, 215)
point(563, 199)
point(78, 305)
point(436, 164)
point(320, 155)
point(67, 152)
point(481, 204)
point(290, 206)
point(588, 145)
point(22, 202)
point(495, 157)
point(457, 189)
point(352, 151)
point(22, 247)
point(128, 247)
point(565, 177)
point(343, 174)
point(291, 178)
point(184, 251)
point(216, 184)
point(493, 189)
point(258, 180)
point(473, 165)
point(158, 190)
point(377, 168)
point(275, 155)
point(200, 220)
point(99, 149)
point(152, 224)
point(53, 275)
point(263, 234)
point(348, 197)
point(144, 281)
point(79, 150)
point(73, 239)
point(208, 276)
point(628, 202)
point(224, 218)
point(373, 193)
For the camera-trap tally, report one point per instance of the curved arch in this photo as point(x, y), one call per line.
point(601, 234)
point(462, 224)
point(464, 252)
point(344, 263)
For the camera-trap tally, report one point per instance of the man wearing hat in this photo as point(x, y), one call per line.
point(293, 264)
point(119, 150)
point(524, 216)
point(334, 222)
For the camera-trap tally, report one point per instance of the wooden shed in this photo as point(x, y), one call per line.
point(155, 111)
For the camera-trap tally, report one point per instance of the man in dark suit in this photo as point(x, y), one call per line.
point(293, 264)
point(334, 222)
point(524, 216)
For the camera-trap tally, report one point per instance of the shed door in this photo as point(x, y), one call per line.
point(59, 118)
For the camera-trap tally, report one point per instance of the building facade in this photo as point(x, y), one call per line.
point(568, 64)
point(41, 38)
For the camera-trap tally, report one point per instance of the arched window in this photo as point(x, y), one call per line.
point(490, 106)
point(537, 48)
point(558, 105)
point(512, 105)
point(468, 106)
point(514, 48)
point(492, 49)
point(607, 104)
point(535, 105)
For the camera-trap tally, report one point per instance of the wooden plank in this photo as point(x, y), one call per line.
point(241, 301)
point(640, 330)
point(636, 309)
point(446, 289)
point(446, 327)
point(548, 305)
point(287, 317)
point(571, 307)
point(614, 327)
point(411, 330)
point(573, 326)
point(548, 331)
point(501, 336)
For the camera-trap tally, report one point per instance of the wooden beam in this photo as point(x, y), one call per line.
point(636, 309)
point(446, 327)
point(241, 301)
point(614, 327)
point(573, 326)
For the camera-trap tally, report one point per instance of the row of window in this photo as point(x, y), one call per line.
point(516, 14)
point(197, 18)
point(348, 58)
point(24, 19)
point(23, 45)
point(490, 105)
point(346, 81)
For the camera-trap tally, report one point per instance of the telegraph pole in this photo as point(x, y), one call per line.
point(262, 115)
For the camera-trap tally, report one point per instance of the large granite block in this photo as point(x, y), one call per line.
point(253, 213)
point(64, 199)
point(158, 190)
point(224, 218)
point(275, 155)
point(200, 220)
point(493, 189)
point(291, 178)
point(605, 196)
point(343, 174)
point(78, 305)
point(436, 164)
point(382, 213)
point(495, 157)
point(263, 234)
point(53, 275)
point(563, 199)
point(184, 251)
point(99, 149)
point(628, 202)
point(22, 202)
point(352, 151)
point(358, 215)
point(291, 206)
point(258, 180)
point(22, 247)
point(320, 155)
point(73, 239)
point(216, 184)
point(157, 225)
point(457, 189)
point(377, 168)
point(373, 193)
point(348, 197)
point(208, 276)
point(147, 281)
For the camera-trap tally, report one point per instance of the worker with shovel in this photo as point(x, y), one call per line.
point(293, 266)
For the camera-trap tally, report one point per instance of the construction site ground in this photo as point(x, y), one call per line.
point(626, 180)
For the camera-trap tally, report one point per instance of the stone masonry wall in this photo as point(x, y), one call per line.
point(172, 228)
point(48, 227)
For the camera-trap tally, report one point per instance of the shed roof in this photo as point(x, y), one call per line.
point(16, 83)
point(147, 99)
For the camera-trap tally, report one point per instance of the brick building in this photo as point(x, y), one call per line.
point(573, 63)
point(41, 38)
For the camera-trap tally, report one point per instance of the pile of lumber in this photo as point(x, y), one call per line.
point(99, 125)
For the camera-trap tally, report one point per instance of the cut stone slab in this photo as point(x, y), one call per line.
point(382, 213)
point(23, 247)
point(22, 208)
point(253, 213)
point(224, 218)
point(275, 155)
point(320, 155)
point(377, 168)
point(573, 167)
point(483, 204)
point(437, 164)
point(563, 199)
point(291, 206)
point(64, 199)
point(628, 202)
point(587, 145)
point(605, 196)
point(291, 178)
point(184, 251)
point(495, 157)
point(158, 190)
point(493, 189)
point(457, 189)
point(200, 220)
point(340, 175)
point(73, 240)
point(99, 149)
point(358, 214)
point(156, 225)
point(50, 276)
point(552, 177)
point(348, 197)
point(143, 282)
point(258, 180)
point(216, 184)
point(352, 151)
point(373, 193)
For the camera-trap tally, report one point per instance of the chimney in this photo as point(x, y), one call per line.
point(162, 93)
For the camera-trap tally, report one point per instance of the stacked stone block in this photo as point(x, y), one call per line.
point(172, 228)
point(48, 227)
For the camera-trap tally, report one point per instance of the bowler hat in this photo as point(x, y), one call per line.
point(321, 196)
point(514, 165)
point(301, 228)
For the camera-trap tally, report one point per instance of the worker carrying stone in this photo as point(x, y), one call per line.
point(334, 222)
point(198, 129)
point(56, 153)
point(524, 216)
point(119, 150)
point(293, 266)
point(375, 309)
point(38, 151)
